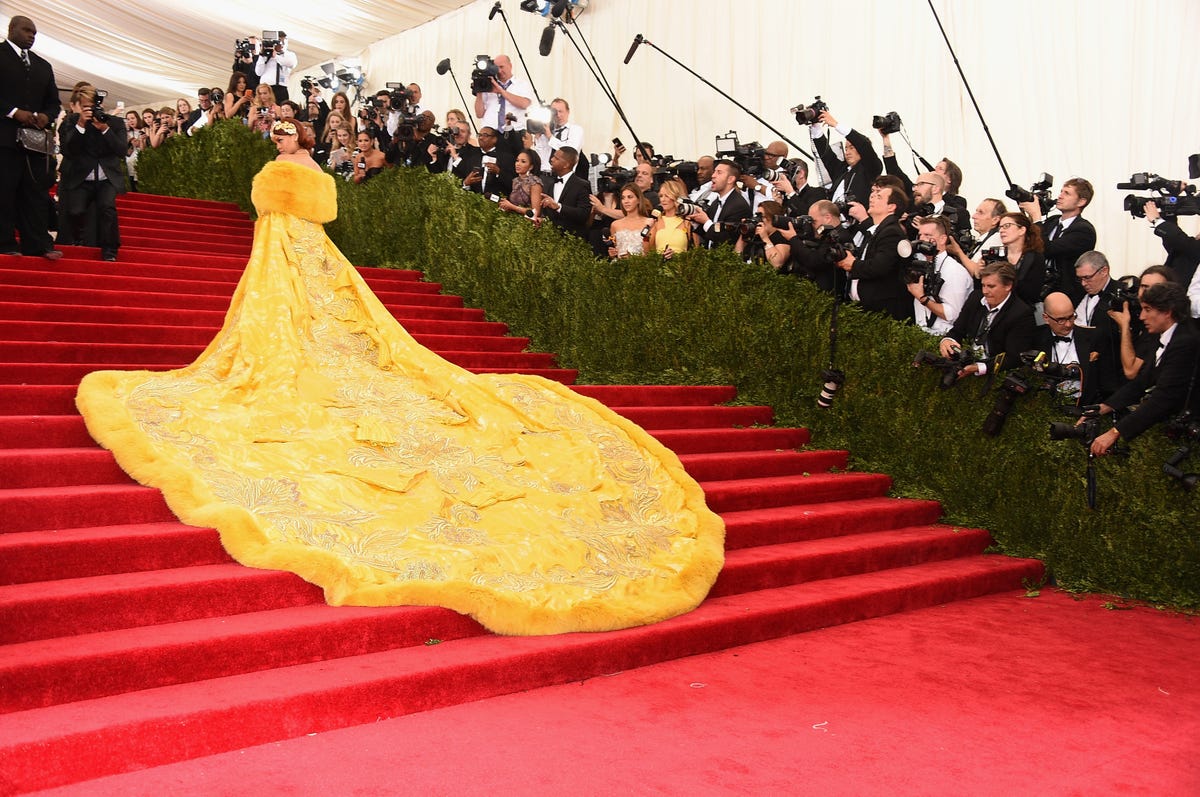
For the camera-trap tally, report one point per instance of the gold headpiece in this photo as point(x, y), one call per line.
point(283, 128)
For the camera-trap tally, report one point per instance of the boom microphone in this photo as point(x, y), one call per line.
point(637, 40)
point(558, 9)
point(547, 41)
point(443, 66)
point(492, 13)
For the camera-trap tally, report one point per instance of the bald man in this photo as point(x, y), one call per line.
point(509, 96)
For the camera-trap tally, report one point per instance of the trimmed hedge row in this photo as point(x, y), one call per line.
point(705, 317)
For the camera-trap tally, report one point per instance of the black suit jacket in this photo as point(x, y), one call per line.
point(1064, 250)
point(505, 154)
point(857, 180)
point(802, 200)
point(83, 152)
point(1031, 275)
point(1108, 342)
point(1183, 251)
point(1085, 347)
point(575, 211)
point(30, 89)
point(880, 272)
point(1011, 331)
point(724, 229)
point(1168, 382)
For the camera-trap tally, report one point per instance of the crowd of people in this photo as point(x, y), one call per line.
point(989, 285)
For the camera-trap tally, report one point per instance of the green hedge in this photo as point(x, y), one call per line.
point(705, 317)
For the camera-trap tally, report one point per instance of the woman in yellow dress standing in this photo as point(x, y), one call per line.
point(318, 437)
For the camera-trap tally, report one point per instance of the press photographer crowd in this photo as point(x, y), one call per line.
point(1010, 288)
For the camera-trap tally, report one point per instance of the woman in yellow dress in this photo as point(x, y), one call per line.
point(318, 437)
point(671, 233)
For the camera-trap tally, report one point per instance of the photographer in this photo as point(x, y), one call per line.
point(1134, 341)
point(93, 146)
point(795, 193)
point(1066, 236)
point(274, 66)
point(1022, 244)
point(994, 322)
point(203, 116)
point(814, 260)
point(507, 97)
point(861, 166)
point(1066, 344)
point(1093, 274)
point(877, 273)
point(935, 311)
point(1183, 251)
point(243, 61)
point(1170, 371)
point(370, 161)
point(985, 221)
point(718, 220)
point(769, 243)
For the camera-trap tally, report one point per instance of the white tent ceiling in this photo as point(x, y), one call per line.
point(151, 52)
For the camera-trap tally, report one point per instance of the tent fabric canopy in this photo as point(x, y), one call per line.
point(148, 53)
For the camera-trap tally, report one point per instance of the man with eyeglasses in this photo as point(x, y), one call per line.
point(996, 321)
point(1064, 343)
point(203, 115)
point(1092, 272)
point(1067, 235)
point(1165, 385)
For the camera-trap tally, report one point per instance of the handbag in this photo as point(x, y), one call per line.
point(34, 140)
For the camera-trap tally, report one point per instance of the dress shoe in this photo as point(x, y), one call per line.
point(52, 254)
point(108, 256)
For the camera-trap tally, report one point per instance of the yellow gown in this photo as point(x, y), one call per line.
point(318, 437)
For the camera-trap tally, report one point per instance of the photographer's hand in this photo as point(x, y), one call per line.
point(948, 346)
point(827, 119)
point(857, 211)
point(1121, 316)
point(1104, 442)
point(917, 289)
point(1151, 210)
point(1032, 209)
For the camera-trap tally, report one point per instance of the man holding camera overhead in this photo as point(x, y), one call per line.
point(861, 166)
point(508, 96)
point(275, 64)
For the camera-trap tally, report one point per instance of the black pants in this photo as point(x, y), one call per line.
point(91, 211)
point(25, 180)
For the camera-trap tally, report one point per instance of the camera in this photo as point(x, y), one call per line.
point(481, 76)
point(808, 114)
point(995, 254)
point(346, 167)
point(949, 366)
point(843, 207)
point(1085, 432)
point(686, 207)
point(887, 124)
point(270, 40)
point(922, 264)
point(748, 157)
point(1039, 191)
point(242, 48)
point(1124, 291)
point(1174, 199)
point(1011, 389)
point(98, 113)
point(218, 96)
point(610, 180)
point(748, 228)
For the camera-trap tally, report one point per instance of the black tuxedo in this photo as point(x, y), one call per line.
point(1009, 333)
point(858, 179)
point(1108, 341)
point(1084, 341)
point(880, 272)
point(724, 227)
point(1183, 251)
point(505, 152)
point(575, 204)
point(1171, 379)
point(25, 177)
point(91, 204)
point(799, 203)
point(1062, 252)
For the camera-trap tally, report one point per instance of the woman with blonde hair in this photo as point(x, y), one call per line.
point(672, 233)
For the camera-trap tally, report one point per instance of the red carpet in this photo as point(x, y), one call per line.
point(131, 641)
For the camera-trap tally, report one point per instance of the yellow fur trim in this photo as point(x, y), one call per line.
point(285, 187)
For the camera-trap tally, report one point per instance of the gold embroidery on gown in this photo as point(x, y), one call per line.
point(318, 437)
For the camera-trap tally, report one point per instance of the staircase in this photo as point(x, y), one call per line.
point(129, 640)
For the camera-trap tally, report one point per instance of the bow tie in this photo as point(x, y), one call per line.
point(559, 179)
point(1062, 339)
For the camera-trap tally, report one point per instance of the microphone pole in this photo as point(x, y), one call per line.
point(496, 9)
point(598, 74)
point(442, 68)
point(699, 77)
point(971, 94)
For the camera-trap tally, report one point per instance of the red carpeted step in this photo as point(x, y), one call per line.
point(772, 566)
point(696, 417)
point(58, 467)
point(37, 399)
point(209, 207)
point(773, 525)
point(742, 494)
point(53, 671)
point(48, 609)
point(106, 550)
point(751, 464)
point(703, 441)
point(121, 733)
point(658, 395)
point(43, 431)
point(38, 508)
